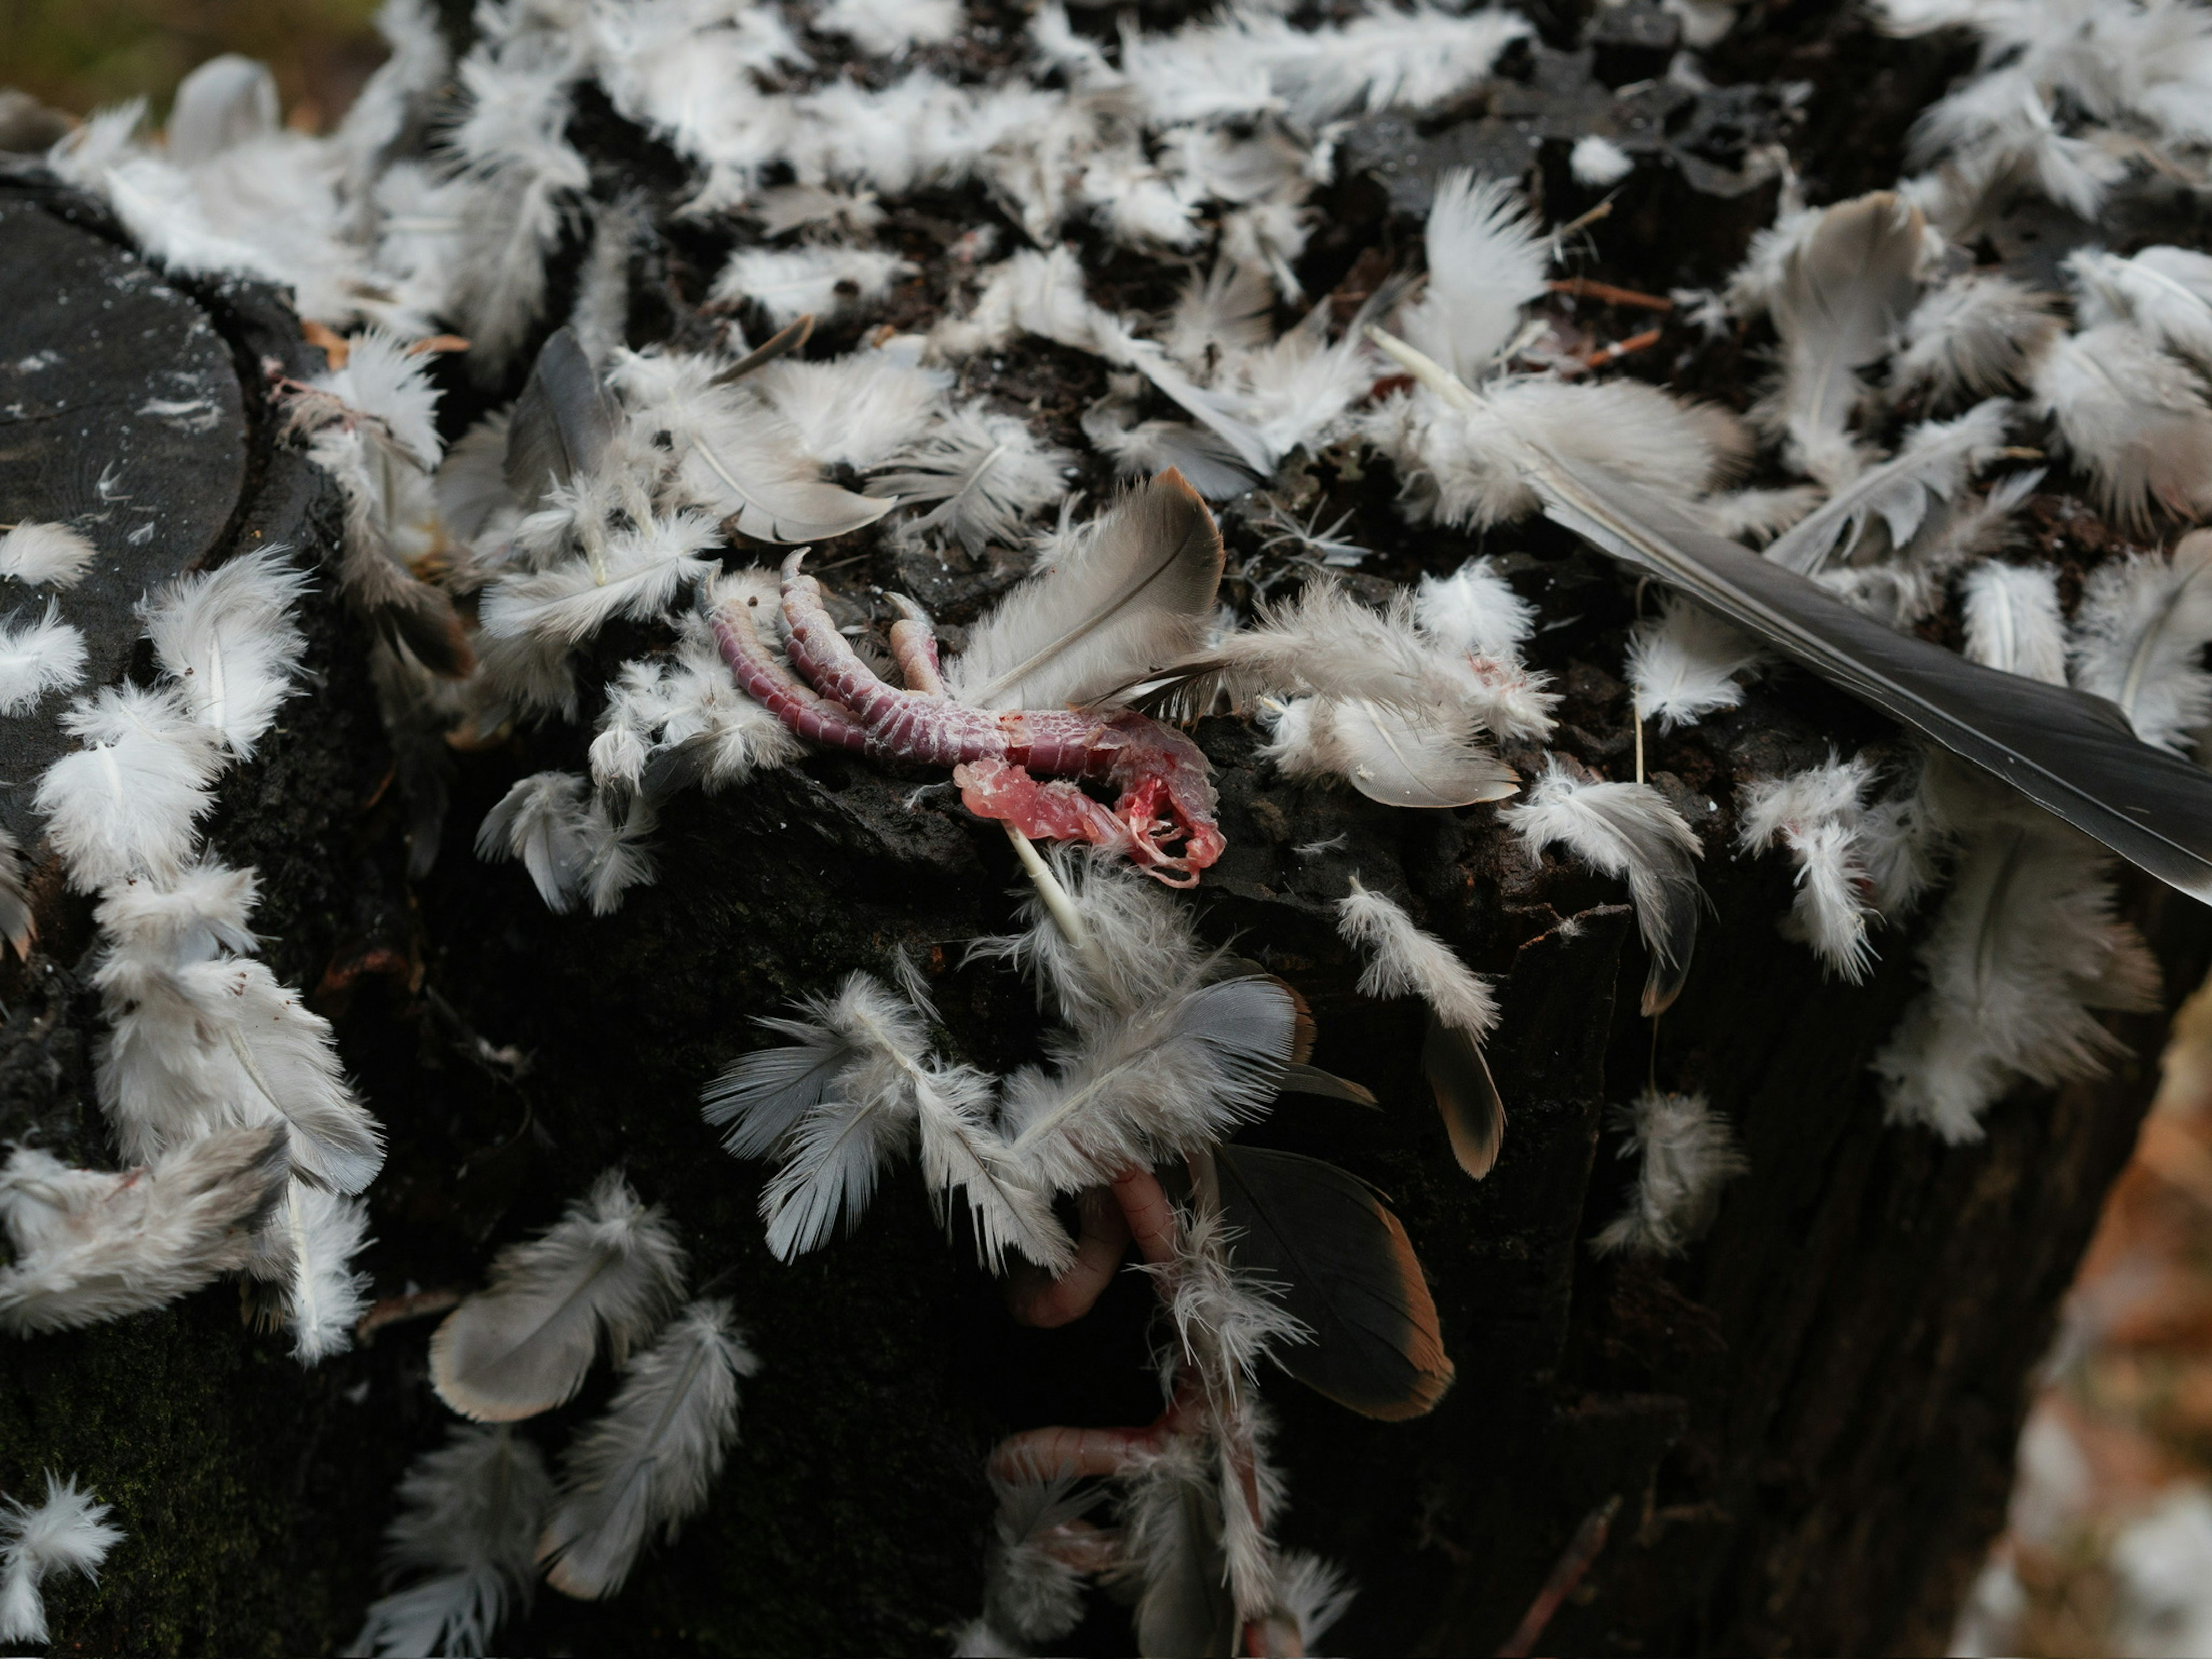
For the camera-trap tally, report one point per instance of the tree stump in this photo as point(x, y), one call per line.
point(1807, 1426)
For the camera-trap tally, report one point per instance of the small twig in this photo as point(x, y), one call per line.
point(1586, 288)
point(1574, 1561)
point(1614, 353)
point(398, 1310)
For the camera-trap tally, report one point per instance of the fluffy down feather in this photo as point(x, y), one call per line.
point(92, 1245)
point(1816, 814)
point(466, 1534)
point(228, 640)
point(610, 1269)
point(1488, 258)
point(2132, 416)
point(1404, 960)
point(2013, 621)
point(1688, 1153)
point(650, 1460)
point(68, 1533)
point(1684, 664)
point(124, 804)
point(2139, 638)
point(38, 655)
point(50, 555)
point(987, 473)
point(1627, 830)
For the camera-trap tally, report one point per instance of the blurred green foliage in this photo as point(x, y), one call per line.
point(77, 55)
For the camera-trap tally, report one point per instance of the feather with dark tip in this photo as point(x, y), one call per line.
point(1347, 1271)
point(562, 422)
point(1466, 1096)
point(2070, 753)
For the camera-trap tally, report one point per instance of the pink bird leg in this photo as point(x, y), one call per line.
point(1163, 820)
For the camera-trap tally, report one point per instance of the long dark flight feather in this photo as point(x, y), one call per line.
point(562, 422)
point(1349, 1274)
point(2070, 753)
point(1466, 1096)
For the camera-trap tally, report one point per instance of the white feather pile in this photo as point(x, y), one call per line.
point(1817, 814)
point(38, 655)
point(607, 1270)
point(2012, 620)
point(93, 1245)
point(640, 570)
point(651, 1460)
point(1683, 663)
point(68, 1533)
point(123, 805)
point(46, 555)
point(229, 641)
point(1688, 1153)
point(2139, 639)
point(466, 1536)
point(1404, 960)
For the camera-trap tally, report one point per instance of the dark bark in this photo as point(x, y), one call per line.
point(1809, 1422)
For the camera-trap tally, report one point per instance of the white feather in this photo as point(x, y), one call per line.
point(1596, 163)
point(37, 656)
point(788, 283)
point(609, 1270)
point(1178, 1074)
point(1626, 830)
point(859, 1089)
point(322, 1233)
point(1402, 757)
point(93, 1245)
point(68, 1533)
point(640, 571)
point(1688, 1153)
point(1978, 334)
point(1816, 813)
point(1487, 258)
point(123, 805)
point(2013, 621)
point(1404, 960)
point(855, 409)
point(987, 471)
point(1131, 592)
point(1684, 664)
point(229, 641)
point(652, 1459)
point(2026, 947)
point(201, 1038)
point(49, 554)
point(2139, 639)
point(2166, 292)
point(1030, 1588)
point(467, 1535)
point(1931, 466)
point(2132, 416)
